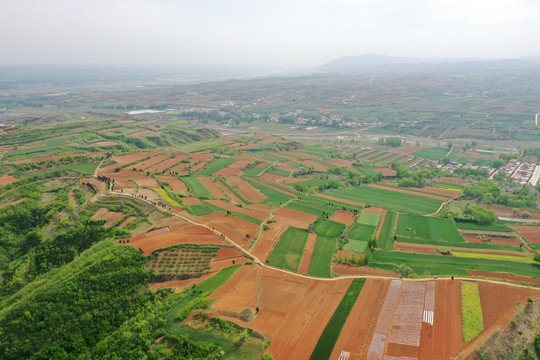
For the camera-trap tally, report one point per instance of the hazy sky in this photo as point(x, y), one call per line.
point(281, 33)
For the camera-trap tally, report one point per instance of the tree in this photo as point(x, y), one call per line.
point(450, 146)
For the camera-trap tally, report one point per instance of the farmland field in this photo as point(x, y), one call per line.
point(310, 208)
point(431, 153)
point(471, 310)
point(331, 332)
point(215, 166)
point(196, 187)
point(328, 228)
point(473, 226)
point(322, 257)
point(427, 230)
point(368, 219)
point(386, 238)
point(388, 199)
point(288, 252)
point(273, 197)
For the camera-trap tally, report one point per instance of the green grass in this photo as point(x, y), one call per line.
point(310, 208)
point(233, 190)
point(215, 166)
point(196, 187)
point(289, 250)
point(328, 228)
point(427, 230)
point(87, 169)
point(321, 152)
point(331, 332)
point(386, 237)
point(449, 265)
point(366, 171)
point(471, 311)
point(280, 172)
point(273, 197)
point(199, 210)
point(368, 219)
point(362, 232)
point(431, 153)
point(472, 226)
point(321, 258)
point(334, 203)
point(217, 280)
point(256, 171)
point(388, 199)
point(356, 246)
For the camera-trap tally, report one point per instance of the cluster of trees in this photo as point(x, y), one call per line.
point(415, 178)
point(488, 192)
point(391, 141)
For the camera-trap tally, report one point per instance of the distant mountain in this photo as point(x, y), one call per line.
point(383, 63)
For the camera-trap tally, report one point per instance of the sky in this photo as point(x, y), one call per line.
point(271, 33)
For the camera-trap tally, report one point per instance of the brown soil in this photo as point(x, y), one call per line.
point(179, 285)
point(214, 189)
point(105, 143)
point(443, 192)
point(7, 179)
point(234, 228)
point(72, 199)
point(505, 276)
point(387, 171)
point(328, 197)
point(339, 162)
point(507, 212)
point(438, 197)
point(110, 216)
point(123, 160)
point(347, 254)
point(243, 295)
point(218, 265)
point(150, 163)
point(531, 234)
point(123, 121)
point(452, 180)
point(343, 217)
point(406, 149)
point(268, 240)
point(344, 269)
point(127, 221)
point(227, 252)
point(308, 251)
point(176, 183)
point(191, 201)
point(293, 311)
point(58, 157)
point(183, 234)
point(139, 133)
point(242, 210)
point(303, 156)
point(245, 189)
point(294, 218)
point(374, 210)
point(273, 178)
point(168, 163)
point(315, 165)
point(140, 177)
point(235, 279)
point(473, 239)
point(360, 325)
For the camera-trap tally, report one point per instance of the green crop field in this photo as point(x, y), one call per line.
point(331, 332)
point(284, 188)
point(273, 197)
point(366, 171)
point(368, 219)
point(356, 246)
point(388, 199)
point(321, 258)
point(386, 238)
point(472, 226)
point(233, 213)
point(362, 232)
point(328, 228)
point(215, 166)
point(233, 190)
point(427, 230)
point(217, 280)
point(280, 172)
point(431, 153)
point(289, 250)
point(87, 169)
point(256, 171)
point(471, 311)
point(332, 203)
point(449, 265)
point(310, 208)
point(196, 187)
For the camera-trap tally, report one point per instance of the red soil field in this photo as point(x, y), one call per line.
point(268, 241)
point(531, 234)
point(303, 156)
point(123, 121)
point(179, 285)
point(139, 176)
point(201, 156)
point(381, 223)
point(105, 143)
point(317, 166)
point(348, 254)
point(293, 180)
point(406, 149)
point(343, 217)
point(339, 162)
point(308, 251)
point(452, 180)
point(191, 201)
point(139, 133)
point(344, 269)
point(235, 279)
point(148, 194)
point(246, 211)
point(505, 276)
point(243, 295)
point(144, 165)
point(179, 169)
point(234, 228)
point(473, 239)
point(273, 178)
point(294, 218)
point(227, 252)
point(58, 157)
point(72, 200)
point(110, 216)
point(125, 222)
point(166, 164)
point(407, 191)
point(228, 193)
point(328, 197)
point(218, 265)
point(386, 171)
point(293, 310)
point(123, 160)
point(374, 210)
point(183, 234)
point(273, 187)
point(214, 189)
point(245, 189)
point(234, 169)
point(100, 185)
point(437, 190)
point(360, 325)
point(7, 179)
point(176, 183)
point(120, 185)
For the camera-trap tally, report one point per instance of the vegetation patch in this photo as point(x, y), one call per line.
point(386, 237)
point(328, 228)
point(181, 261)
point(427, 230)
point(369, 219)
point(321, 258)
point(196, 187)
point(473, 226)
point(471, 311)
point(289, 250)
point(311, 208)
point(215, 166)
point(331, 332)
